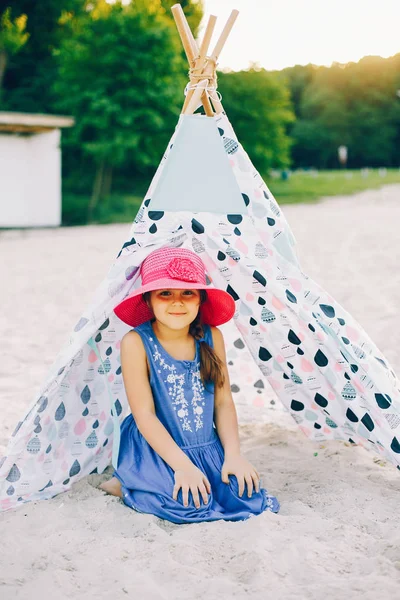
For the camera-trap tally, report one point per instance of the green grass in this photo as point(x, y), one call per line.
point(309, 186)
point(301, 186)
point(117, 208)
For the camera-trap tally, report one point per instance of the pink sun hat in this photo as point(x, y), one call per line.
point(179, 269)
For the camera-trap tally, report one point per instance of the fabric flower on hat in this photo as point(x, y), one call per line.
point(183, 269)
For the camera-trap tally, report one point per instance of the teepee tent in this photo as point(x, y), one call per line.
point(207, 196)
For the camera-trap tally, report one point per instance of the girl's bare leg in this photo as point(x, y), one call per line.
point(112, 486)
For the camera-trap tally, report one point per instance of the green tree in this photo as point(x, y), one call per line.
point(374, 112)
point(323, 122)
point(31, 72)
point(121, 74)
point(258, 104)
point(13, 37)
point(355, 105)
point(297, 79)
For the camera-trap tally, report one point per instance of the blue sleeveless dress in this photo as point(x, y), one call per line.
point(186, 408)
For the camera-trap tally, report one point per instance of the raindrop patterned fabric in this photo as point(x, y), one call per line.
point(323, 367)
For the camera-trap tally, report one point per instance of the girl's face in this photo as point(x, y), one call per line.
point(175, 308)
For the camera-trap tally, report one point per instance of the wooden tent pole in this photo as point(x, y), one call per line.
point(208, 109)
point(189, 45)
point(211, 65)
point(184, 35)
point(224, 35)
point(199, 64)
point(206, 40)
point(189, 33)
point(215, 55)
point(198, 60)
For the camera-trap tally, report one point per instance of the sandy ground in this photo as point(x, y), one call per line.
point(338, 532)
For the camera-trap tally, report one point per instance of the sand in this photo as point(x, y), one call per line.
point(338, 531)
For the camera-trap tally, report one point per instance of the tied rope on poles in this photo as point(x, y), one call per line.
point(196, 75)
point(202, 86)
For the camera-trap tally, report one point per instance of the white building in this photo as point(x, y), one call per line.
point(30, 169)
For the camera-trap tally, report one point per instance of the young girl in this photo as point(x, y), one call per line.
point(173, 462)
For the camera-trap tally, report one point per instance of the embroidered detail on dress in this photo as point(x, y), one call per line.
point(176, 391)
point(198, 398)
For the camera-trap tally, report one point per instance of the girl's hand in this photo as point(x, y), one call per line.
point(244, 472)
point(191, 478)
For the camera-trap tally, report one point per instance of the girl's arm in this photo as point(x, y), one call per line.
point(225, 416)
point(140, 398)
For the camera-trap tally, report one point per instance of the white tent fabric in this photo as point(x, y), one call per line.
point(320, 362)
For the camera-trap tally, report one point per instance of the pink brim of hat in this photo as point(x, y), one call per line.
point(216, 310)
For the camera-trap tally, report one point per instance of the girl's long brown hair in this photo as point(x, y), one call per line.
point(211, 366)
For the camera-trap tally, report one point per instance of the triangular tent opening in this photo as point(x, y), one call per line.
point(319, 361)
point(197, 176)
